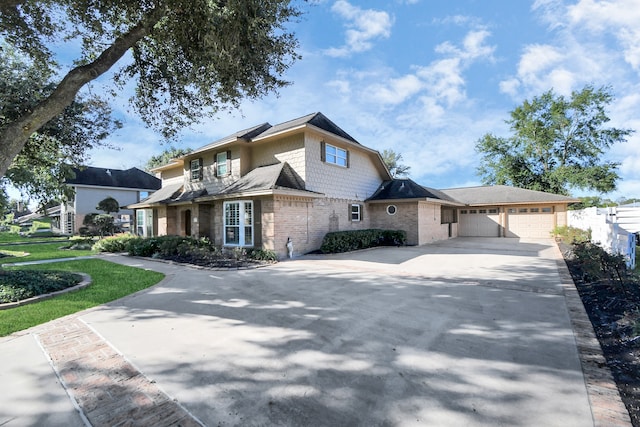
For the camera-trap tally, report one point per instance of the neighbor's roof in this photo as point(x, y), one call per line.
point(101, 177)
point(503, 194)
point(407, 189)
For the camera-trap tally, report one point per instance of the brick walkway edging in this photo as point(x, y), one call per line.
point(103, 385)
point(607, 407)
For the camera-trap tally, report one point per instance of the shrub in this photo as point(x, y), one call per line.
point(597, 264)
point(19, 285)
point(571, 234)
point(117, 243)
point(140, 246)
point(345, 241)
point(262, 254)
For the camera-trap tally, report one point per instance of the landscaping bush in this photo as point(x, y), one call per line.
point(19, 285)
point(596, 264)
point(118, 243)
point(140, 246)
point(262, 254)
point(345, 241)
point(571, 235)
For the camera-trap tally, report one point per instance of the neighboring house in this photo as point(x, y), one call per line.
point(92, 185)
point(303, 178)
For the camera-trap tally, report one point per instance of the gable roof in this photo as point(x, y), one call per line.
point(503, 194)
point(133, 178)
point(277, 176)
point(245, 134)
point(318, 120)
point(406, 188)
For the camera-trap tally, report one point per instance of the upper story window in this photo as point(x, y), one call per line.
point(223, 163)
point(195, 167)
point(335, 155)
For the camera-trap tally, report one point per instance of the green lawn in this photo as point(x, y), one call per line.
point(40, 251)
point(110, 281)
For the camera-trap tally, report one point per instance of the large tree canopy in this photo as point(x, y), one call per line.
point(49, 154)
point(557, 143)
point(189, 58)
point(165, 157)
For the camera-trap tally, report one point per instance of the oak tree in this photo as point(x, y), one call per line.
point(188, 58)
point(556, 143)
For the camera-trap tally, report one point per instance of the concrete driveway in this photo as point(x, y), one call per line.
point(463, 332)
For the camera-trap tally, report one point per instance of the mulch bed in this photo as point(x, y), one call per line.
point(614, 311)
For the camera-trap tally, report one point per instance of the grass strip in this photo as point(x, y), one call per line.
point(43, 251)
point(110, 281)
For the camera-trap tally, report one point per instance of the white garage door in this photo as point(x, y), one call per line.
point(479, 223)
point(535, 222)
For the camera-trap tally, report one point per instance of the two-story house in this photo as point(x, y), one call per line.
point(92, 185)
point(299, 180)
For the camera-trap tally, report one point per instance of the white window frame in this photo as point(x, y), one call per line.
point(335, 155)
point(221, 165)
point(245, 222)
point(195, 171)
point(356, 214)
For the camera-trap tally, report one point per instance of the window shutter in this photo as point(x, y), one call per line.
point(215, 165)
point(361, 212)
point(323, 151)
point(201, 163)
point(228, 162)
point(347, 158)
point(350, 214)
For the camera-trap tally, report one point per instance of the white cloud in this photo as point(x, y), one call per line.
point(363, 26)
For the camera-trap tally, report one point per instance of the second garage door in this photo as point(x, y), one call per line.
point(533, 222)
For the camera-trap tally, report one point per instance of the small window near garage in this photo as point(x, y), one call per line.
point(391, 209)
point(482, 211)
point(463, 212)
point(473, 211)
point(511, 210)
point(547, 210)
point(522, 210)
point(356, 212)
point(534, 210)
point(493, 211)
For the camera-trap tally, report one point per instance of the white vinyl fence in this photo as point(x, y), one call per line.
point(612, 228)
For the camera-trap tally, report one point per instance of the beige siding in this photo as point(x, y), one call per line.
point(359, 181)
point(430, 227)
point(290, 150)
point(210, 181)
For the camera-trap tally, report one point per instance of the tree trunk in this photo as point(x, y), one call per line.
point(16, 134)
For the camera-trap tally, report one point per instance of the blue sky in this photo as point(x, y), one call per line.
point(428, 78)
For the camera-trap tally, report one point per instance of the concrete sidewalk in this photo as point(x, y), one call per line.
point(458, 333)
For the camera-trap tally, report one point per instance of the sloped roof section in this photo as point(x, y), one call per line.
point(279, 175)
point(503, 194)
point(245, 134)
point(133, 178)
point(161, 196)
point(406, 189)
point(318, 120)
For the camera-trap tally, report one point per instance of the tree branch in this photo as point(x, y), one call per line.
point(15, 135)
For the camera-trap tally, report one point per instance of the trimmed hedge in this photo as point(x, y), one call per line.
point(345, 241)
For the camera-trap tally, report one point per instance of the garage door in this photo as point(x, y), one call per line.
point(536, 222)
point(479, 223)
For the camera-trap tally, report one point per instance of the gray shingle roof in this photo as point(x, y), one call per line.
point(279, 175)
point(406, 189)
point(318, 120)
point(245, 134)
point(503, 194)
point(101, 177)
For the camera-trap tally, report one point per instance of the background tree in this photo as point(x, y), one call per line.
point(165, 157)
point(190, 58)
point(108, 205)
point(556, 144)
point(392, 160)
point(49, 154)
